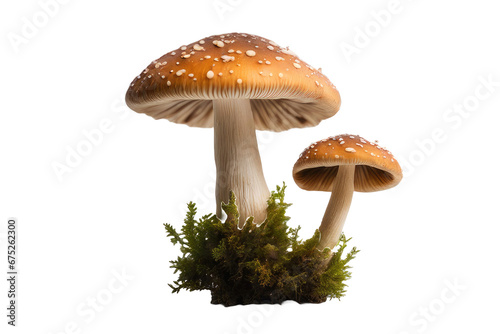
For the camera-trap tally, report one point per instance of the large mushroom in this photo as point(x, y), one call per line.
point(236, 83)
point(342, 165)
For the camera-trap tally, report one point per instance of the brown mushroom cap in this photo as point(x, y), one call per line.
point(285, 92)
point(317, 166)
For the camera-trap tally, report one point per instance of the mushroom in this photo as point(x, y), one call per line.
point(342, 165)
point(236, 83)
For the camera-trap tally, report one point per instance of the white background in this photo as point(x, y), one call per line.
point(438, 228)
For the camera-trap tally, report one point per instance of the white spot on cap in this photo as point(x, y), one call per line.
point(280, 75)
point(208, 57)
point(288, 52)
point(190, 75)
point(239, 81)
point(220, 74)
point(238, 52)
point(230, 51)
point(210, 74)
point(197, 47)
point(270, 47)
point(169, 83)
point(231, 71)
point(173, 53)
point(185, 56)
point(180, 72)
point(268, 62)
point(350, 150)
point(280, 58)
point(219, 44)
point(250, 53)
point(226, 59)
point(202, 42)
point(336, 156)
point(297, 65)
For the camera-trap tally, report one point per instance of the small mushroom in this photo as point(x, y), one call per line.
point(235, 83)
point(342, 165)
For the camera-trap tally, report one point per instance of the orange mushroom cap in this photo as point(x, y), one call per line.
point(285, 91)
point(317, 166)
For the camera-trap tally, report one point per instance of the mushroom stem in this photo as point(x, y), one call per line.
point(237, 160)
point(338, 207)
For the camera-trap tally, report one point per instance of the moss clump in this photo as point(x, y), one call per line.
point(257, 264)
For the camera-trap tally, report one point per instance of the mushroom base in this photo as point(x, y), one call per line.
point(268, 263)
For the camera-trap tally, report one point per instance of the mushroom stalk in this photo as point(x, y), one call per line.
point(237, 160)
point(338, 207)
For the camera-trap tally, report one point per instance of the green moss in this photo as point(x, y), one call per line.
point(257, 264)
